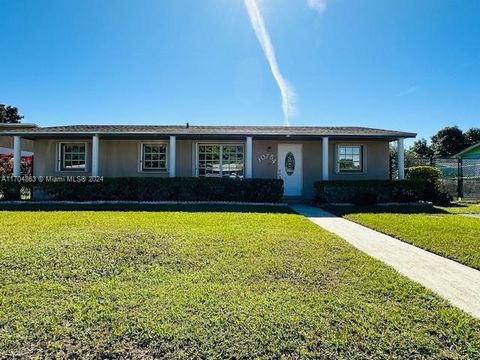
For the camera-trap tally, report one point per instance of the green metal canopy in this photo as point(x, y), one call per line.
point(472, 152)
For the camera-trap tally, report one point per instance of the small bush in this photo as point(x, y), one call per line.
point(431, 176)
point(165, 189)
point(423, 173)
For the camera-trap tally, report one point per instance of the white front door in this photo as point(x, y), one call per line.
point(290, 168)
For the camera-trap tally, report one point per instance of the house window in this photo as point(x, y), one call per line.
point(154, 157)
point(73, 156)
point(221, 160)
point(350, 158)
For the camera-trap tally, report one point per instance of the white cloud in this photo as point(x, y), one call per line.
point(318, 5)
point(258, 24)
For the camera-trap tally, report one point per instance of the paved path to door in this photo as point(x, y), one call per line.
point(455, 282)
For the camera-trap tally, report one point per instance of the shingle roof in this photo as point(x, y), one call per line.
point(304, 131)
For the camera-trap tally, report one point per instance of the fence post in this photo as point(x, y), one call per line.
point(460, 178)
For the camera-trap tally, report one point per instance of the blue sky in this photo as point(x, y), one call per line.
point(405, 64)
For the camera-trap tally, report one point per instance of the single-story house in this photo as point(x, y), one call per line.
point(298, 155)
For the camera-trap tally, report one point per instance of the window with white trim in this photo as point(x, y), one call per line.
point(350, 158)
point(221, 160)
point(73, 156)
point(154, 157)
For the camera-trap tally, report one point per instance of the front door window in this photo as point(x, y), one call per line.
point(289, 163)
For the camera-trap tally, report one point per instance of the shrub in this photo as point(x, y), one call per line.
point(365, 198)
point(364, 192)
point(10, 191)
point(431, 176)
point(165, 189)
point(423, 173)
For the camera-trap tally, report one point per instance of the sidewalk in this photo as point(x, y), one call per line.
point(455, 282)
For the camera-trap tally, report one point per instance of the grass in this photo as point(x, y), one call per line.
point(441, 230)
point(209, 285)
point(462, 209)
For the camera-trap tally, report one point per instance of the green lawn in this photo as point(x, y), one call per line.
point(442, 230)
point(462, 209)
point(209, 285)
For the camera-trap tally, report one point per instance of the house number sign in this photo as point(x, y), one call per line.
point(289, 164)
point(267, 157)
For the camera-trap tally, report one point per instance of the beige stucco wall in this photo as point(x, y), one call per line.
point(46, 157)
point(376, 161)
point(376, 157)
point(120, 158)
point(185, 166)
point(124, 155)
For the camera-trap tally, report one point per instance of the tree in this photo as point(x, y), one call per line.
point(422, 150)
point(472, 136)
point(9, 115)
point(448, 141)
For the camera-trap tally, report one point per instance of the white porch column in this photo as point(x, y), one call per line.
point(401, 159)
point(325, 157)
point(249, 158)
point(96, 155)
point(172, 156)
point(17, 156)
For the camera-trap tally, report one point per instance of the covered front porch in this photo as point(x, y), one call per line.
point(299, 161)
point(297, 155)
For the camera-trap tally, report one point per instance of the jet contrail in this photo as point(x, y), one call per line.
point(258, 23)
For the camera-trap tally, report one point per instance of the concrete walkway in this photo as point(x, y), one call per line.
point(455, 282)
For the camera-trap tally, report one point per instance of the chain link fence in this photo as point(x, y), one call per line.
point(460, 177)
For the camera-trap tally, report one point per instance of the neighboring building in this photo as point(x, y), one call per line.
point(298, 155)
point(6, 142)
point(472, 152)
point(470, 161)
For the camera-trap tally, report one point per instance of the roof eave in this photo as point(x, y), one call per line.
point(467, 150)
point(39, 134)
